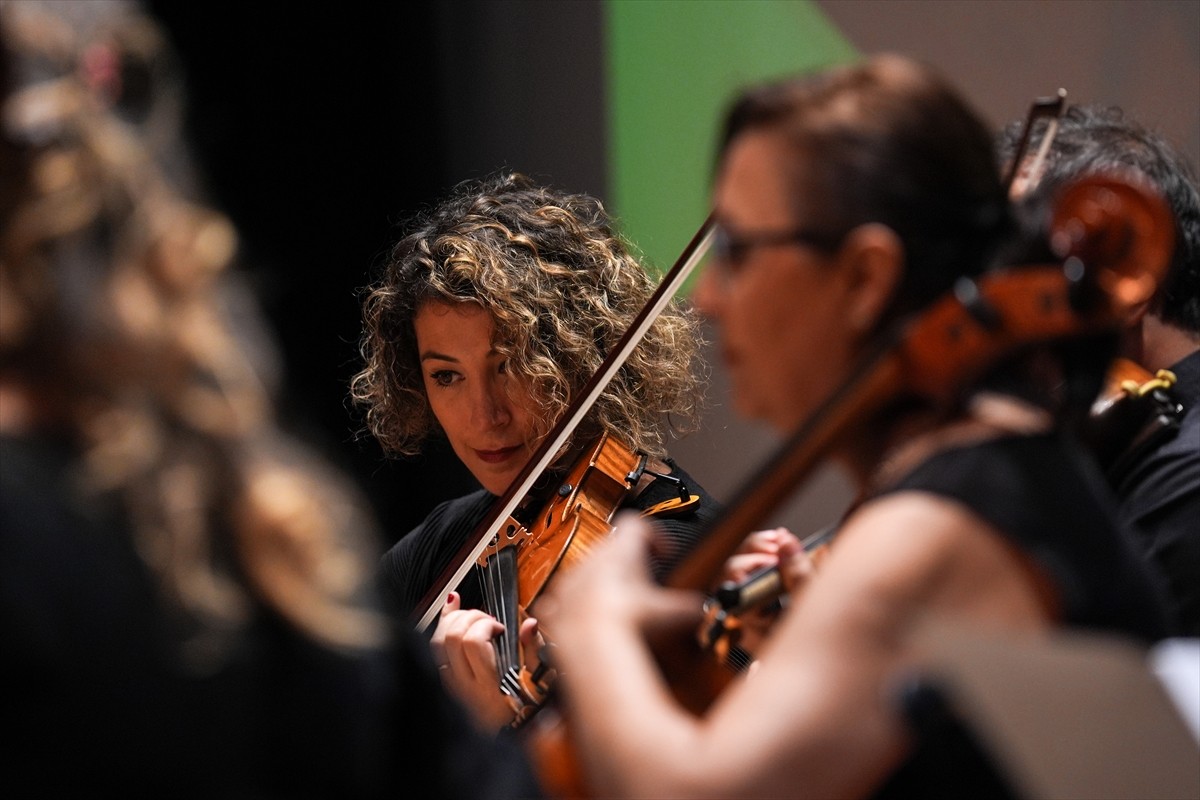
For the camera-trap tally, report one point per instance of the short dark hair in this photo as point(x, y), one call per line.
point(889, 141)
point(1097, 139)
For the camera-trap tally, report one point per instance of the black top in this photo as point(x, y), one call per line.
point(1160, 500)
point(410, 567)
point(1046, 497)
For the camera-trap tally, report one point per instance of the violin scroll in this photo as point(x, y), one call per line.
point(1120, 230)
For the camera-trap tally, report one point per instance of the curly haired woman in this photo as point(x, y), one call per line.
point(494, 311)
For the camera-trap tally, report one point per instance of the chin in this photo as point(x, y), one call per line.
point(498, 486)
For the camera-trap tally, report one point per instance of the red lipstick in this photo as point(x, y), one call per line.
point(497, 456)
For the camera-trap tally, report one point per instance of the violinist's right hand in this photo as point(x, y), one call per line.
point(462, 648)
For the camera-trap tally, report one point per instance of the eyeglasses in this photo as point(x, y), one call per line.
point(731, 251)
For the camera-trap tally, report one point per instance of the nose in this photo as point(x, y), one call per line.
point(491, 406)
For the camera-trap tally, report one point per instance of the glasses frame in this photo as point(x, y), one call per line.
point(731, 250)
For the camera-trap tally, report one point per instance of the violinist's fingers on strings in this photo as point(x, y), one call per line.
point(797, 567)
point(760, 549)
point(738, 567)
point(478, 653)
point(461, 635)
point(767, 541)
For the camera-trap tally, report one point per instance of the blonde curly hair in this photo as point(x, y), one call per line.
point(561, 287)
point(119, 318)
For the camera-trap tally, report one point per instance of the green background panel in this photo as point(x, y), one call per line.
point(673, 67)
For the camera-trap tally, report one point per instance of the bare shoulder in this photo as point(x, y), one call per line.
point(895, 560)
point(910, 553)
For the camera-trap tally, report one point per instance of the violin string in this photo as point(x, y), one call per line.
point(497, 589)
point(738, 659)
point(488, 581)
point(508, 612)
point(503, 615)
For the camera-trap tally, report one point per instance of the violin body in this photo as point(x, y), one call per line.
point(577, 515)
point(522, 558)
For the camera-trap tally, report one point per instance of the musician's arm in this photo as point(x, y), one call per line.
point(817, 702)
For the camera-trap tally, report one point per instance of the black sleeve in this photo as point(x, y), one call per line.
point(1160, 502)
point(409, 568)
point(1045, 495)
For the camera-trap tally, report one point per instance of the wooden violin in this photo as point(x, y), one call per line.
point(518, 563)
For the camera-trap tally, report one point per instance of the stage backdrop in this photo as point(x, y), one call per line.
point(321, 127)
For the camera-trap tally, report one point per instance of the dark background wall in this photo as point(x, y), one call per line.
point(319, 128)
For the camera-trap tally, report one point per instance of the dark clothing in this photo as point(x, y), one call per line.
point(413, 564)
point(1043, 494)
point(1046, 497)
point(1160, 501)
point(444, 756)
point(107, 697)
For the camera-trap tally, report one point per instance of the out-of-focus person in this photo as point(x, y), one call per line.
point(848, 201)
point(186, 590)
point(1158, 477)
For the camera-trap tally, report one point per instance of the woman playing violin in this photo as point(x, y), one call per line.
point(494, 310)
point(845, 200)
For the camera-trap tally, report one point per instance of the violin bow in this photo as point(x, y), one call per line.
point(558, 436)
point(1050, 109)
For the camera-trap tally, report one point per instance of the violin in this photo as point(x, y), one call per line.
point(1133, 414)
point(519, 562)
point(1112, 237)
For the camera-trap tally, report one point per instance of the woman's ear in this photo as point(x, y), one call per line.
point(872, 260)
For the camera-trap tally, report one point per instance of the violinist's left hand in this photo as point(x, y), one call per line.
point(777, 547)
point(462, 647)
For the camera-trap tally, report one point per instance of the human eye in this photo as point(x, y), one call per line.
point(444, 377)
point(729, 250)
